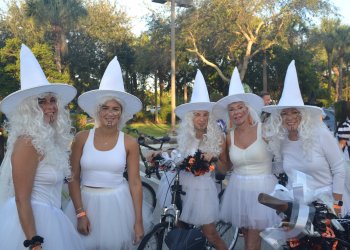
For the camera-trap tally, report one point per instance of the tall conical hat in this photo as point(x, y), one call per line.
point(291, 95)
point(111, 85)
point(34, 82)
point(199, 99)
point(236, 94)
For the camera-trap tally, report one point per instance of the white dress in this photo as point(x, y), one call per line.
point(106, 197)
point(50, 222)
point(252, 174)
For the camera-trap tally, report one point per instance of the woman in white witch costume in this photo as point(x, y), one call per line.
point(303, 143)
point(245, 152)
point(106, 208)
point(36, 163)
point(197, 131)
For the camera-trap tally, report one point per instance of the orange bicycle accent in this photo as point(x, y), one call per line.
point(293, 243)
point(329, 233)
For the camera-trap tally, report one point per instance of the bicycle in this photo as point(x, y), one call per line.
point(148, 191)
point(306, 226)
point(155, 239)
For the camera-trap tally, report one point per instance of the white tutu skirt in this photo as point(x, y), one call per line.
point(50, 222)
point(240, 204)
point(111, 215)
point(200, 204)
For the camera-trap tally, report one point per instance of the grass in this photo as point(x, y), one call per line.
point(156, 130)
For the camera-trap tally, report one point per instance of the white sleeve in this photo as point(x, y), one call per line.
point(334, 158)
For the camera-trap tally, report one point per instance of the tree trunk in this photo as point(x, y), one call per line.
point(264, 72)
point(329, 64)
point(340, 87)
point(155, 98)
point(246, 60)
point(57, 31)
point(185, 93)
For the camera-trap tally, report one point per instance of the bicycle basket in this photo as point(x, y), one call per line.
point(185, 239)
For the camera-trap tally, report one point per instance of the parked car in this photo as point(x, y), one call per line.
point(329, 118)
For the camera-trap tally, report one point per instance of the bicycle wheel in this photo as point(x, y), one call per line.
point(149, 195)
point(154, 240)
point(228, 233)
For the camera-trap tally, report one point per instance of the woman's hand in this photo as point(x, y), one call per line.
point(139, 233)
point(83, 226)
point(151, 154)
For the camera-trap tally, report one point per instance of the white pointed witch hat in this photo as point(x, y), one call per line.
point(236, 94)
point(291, 95)
point(111, 85)
point(34, 82)
point(199, 99)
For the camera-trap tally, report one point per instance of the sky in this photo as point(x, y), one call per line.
point(137, 9)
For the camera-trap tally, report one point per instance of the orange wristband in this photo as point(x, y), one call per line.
point(81, 214)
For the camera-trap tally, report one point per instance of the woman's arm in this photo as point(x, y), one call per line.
point(83, 226)
point(224, 163)
point(133, 164)
point(25, 160)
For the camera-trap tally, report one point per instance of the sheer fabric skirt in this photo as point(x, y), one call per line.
point(240, 204)
point(112, 217)
point(50, 222)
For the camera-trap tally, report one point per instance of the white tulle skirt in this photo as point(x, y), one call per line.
point(240, 204)
point(50, 222)
point(111, 215)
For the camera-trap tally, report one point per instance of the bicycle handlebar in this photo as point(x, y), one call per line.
point(142, 138)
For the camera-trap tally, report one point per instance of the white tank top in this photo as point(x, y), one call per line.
point(254, 160)
point(102, 168)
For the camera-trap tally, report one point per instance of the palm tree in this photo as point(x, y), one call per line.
point(59, 17)
point(327, 37)
point(343, 43)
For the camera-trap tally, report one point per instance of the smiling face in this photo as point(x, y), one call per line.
point(238, 113)
point(48, 104)
point(110, 113)
point(291, 119)
point(200, 120)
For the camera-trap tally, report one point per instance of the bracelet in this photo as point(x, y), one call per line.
point(78, 209)
point(81, 214)
point(35, 239)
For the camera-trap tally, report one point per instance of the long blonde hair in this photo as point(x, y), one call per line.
point(187, 141)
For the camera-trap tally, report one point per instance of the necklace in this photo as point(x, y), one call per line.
point(109, 140)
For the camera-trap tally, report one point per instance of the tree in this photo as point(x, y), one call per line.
point(343, 43)
point(59, 17)
point(225, 33)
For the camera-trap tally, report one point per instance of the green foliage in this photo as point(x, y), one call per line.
point(157, 130)
point(79, 121)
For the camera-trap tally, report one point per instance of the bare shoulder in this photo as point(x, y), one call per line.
point(129, 141)
point(81, 137)
point(24, 143)
point(24, 149)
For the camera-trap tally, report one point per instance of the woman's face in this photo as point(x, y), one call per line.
point(200, 120)
point(110, 113)
point(291, 119)
point(238, 113)
point(48, 104)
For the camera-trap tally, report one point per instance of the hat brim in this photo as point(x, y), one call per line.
point(65, 92)
point(274, 109)
point(88, 101)
point(220, 108)
point(182, 109)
